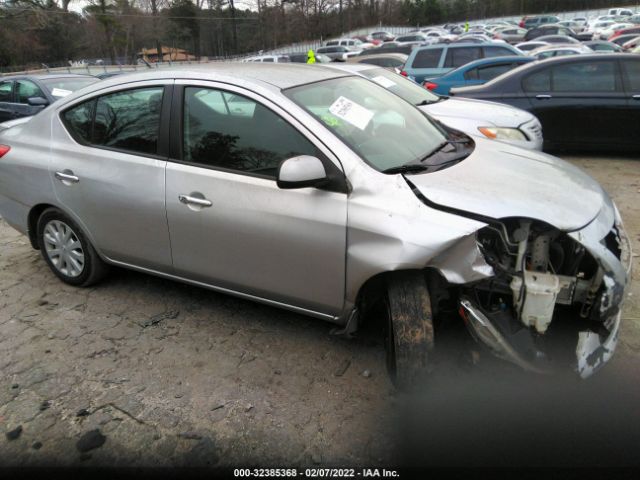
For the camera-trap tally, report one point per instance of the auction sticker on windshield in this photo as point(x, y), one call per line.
point(60, 92)
point(351, 112)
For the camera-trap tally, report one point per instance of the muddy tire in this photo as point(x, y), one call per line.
point(67, 250)
point(409, 339)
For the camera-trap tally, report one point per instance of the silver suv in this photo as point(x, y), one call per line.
point(321, 192)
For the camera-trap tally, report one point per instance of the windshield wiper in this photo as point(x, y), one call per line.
point(442, 145)
point(409, 168)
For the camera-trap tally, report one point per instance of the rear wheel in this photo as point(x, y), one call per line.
point(67, 251)
point(409, 339)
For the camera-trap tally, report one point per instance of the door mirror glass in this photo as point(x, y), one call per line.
point(37, 101)
point(300, 172)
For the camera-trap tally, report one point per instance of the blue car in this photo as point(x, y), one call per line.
point(475, 73)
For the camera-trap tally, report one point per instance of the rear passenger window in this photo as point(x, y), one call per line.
point(491, 72)
point(428, 58)
point(538, 82)
point(129, 120)
point(456, 57)
point(247, 137)
point(585, 77)
point(632, 71)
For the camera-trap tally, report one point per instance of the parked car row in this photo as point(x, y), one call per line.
point(340, 191)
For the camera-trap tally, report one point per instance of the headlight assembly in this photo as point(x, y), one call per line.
point(502, 133)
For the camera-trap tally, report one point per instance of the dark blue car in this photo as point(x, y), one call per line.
point(26, 95)
point(475, 73)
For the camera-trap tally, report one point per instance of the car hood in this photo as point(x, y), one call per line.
point(494, 114)
point(501, 181)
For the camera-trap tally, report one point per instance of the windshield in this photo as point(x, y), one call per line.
point(384, 130)
point(404, 88)
point(61, 87)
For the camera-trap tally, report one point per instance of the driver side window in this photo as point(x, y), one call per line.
point(233, 132)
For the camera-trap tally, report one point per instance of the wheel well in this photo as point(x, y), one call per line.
point(32, 223)
point(374, 290)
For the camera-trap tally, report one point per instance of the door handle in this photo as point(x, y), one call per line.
point(636, 97)
point(543, 97)
point(67, 176)
point(188, 200)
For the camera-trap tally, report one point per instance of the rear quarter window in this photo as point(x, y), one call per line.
point(427, 58)
point(456, 57)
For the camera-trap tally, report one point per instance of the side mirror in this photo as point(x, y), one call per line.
point(300, 172)
point(37, 101)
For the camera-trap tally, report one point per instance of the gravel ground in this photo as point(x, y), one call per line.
point(173, 375)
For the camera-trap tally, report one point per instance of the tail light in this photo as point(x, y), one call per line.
point(404, 74)
point(430, 85)
point(4, 149)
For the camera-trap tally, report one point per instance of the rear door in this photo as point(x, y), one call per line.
point(6, 101)
point(109, 167)
point(579, 103)
point(231, 225)
point(630, 121)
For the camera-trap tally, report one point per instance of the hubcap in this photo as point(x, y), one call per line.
point(63, 248)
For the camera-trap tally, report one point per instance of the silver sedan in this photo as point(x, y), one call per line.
point(322, 192)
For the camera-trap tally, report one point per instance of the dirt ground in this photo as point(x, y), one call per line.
point(175, 375)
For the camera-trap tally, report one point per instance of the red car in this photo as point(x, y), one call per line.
point(624, 31)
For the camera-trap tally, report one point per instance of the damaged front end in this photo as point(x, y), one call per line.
point(550, 289)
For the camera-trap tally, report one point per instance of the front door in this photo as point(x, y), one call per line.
point(230, 224)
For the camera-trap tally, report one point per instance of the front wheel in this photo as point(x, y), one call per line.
point(67, 251)
point(409, 339)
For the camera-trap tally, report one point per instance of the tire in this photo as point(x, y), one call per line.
point(409, 338)
point(67, 250)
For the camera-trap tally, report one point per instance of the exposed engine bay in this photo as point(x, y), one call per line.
point(547, 289)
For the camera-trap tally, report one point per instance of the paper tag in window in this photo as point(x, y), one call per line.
point(385, 82)
point(351, 112)
point(60, 92)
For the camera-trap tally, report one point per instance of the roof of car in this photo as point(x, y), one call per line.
point(40, 76)
point(279, 75)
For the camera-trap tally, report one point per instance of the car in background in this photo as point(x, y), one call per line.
point(620, 12)
point(624, 31)
point(529, 46)
point(511, 35)
point(475, 73)
point(383, 36)
point(634, 18)
point(558, 51)
point(544, 30)
point(391, 61)
point(558, 39)
point(389, 47)
point(592, 32)
point(436, 60)
point(26, 95)
point(607, 33)
point(353, 43)
point(600, 46)
point(411, 39)
point(573, 25)
point(631, 44)
point(266, 59)
point(302, 57)
point(530, 22)
point(622, 39)
point(585, 102)
point(338, 53)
